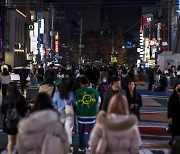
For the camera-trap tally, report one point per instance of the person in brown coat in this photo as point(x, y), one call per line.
point(115, 132)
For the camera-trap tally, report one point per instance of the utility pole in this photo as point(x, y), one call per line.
point(169, 25)
point(80, 42)
point(112, 41)
point(52, 31)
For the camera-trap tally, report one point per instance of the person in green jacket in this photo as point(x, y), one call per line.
point(88, 100)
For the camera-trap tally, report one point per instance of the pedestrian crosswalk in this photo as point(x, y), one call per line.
point(153, 151)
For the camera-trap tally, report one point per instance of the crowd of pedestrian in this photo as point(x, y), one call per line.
point(99, 100)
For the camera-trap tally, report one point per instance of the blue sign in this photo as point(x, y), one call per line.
point(39, 39)
point(128, 44)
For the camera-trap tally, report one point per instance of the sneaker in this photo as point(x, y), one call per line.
point(80, 150)
point(88, 149)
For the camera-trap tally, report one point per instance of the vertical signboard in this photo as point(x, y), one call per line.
point(56, 43)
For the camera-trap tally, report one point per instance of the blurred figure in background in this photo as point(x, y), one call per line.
point(33, 79)
point(124, 79)
point(151, 78)
point(5, 80)
point(102, 88)
point(41, 73)
point(163, 83)
point(23, 73)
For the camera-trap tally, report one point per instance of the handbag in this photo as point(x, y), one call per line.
point(68, 109)
point(102, 144)
point(169, 128)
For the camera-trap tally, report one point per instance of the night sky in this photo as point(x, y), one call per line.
point(100, 13)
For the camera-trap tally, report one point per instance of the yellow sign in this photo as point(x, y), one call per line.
point(113, 59)
point(87, 99)
point(31, 27)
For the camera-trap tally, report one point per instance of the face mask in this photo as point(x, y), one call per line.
point(178, 90)
point(103, 81)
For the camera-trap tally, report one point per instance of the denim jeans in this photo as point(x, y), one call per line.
point(81, 129)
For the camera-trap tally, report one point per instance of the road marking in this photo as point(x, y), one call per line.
point(152, 112)
point(157, 145)
point(147, 126)
point(155, 96)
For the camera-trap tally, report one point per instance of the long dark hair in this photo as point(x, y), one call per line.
point(5, 72)
point(64, 88)
point(128, 91)
point(12, 93)
point(43, 101)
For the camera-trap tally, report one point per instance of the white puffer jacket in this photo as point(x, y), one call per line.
point(122, 134)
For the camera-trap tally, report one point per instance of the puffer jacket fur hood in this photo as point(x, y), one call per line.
point(42, 133)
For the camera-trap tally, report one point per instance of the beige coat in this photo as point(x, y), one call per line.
point(46, 88)
point(122, 134)
point(42, 133)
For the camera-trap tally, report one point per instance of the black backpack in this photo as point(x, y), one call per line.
point(12, 118)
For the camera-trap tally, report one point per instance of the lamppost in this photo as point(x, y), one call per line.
point(80, 42)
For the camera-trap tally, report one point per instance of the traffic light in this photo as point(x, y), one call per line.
point(122, 47)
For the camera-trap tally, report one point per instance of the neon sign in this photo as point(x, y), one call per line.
point(56, 43)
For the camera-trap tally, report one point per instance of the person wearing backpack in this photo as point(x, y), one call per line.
point(13, 107)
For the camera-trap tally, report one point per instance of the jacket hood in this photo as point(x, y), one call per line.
point(37, 121)
point(116, 122)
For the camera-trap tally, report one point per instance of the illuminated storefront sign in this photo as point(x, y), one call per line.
point(33, 45)
point(56, 43)
point(42, 27)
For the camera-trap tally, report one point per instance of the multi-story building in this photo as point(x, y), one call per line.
point(153, 38)
point(16, 42)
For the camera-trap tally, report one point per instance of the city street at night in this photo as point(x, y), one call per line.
point(152, 124)
point(89, 76)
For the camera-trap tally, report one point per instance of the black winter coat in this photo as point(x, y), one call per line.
point(174, 113)
point(137, 101)
point(107, 96)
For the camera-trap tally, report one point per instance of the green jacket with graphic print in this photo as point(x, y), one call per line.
point(87, 102)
